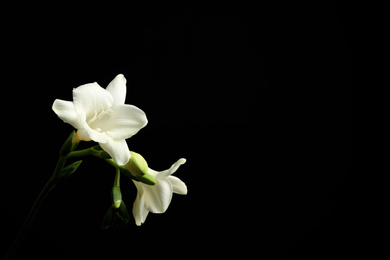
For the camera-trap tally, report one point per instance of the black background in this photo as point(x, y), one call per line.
point(258, 99)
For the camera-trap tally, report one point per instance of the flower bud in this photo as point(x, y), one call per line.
point(116, 197)
point(138, 167)
point(137, 164)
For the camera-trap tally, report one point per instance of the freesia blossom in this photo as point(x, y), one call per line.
point(157, 198)
point(100, 115)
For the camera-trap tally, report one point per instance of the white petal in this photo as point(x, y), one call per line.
point(87, 134)
point(124, 121)
point(83, 135)
point(91, 100)
point(118, 150)
point(158, 197)
point(178, 185)
point(173, 168)
point(117, 89)
point(153, 172)
point(66, 111)
point(139, 211)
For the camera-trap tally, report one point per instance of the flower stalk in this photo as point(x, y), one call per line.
point(96, 151)
point(50, 184)
point(59, 174)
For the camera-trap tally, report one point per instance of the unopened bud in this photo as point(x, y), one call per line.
point(138, 167)
point(116, 196)
point(137, 164)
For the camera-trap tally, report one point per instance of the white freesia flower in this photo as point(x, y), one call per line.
point(100, 115)
point(157, 198)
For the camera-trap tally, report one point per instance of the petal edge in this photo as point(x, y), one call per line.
point(66, 111)
point(117, 88)
point(118, 150)
point(125, 121)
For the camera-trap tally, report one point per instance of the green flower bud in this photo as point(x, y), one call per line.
point(137, 164)
point(116, 197)
point(138, 167)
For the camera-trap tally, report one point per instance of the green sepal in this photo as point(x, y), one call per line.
point(68, 145)
point(68, 170)
point(147, 179)
point(108, 219)
point(116, 218)
point(123, 213)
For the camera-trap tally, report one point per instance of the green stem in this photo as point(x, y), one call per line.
point(111, 161)
point(66, 148)
point(122, 169)
point(80, 153)
point(50, 184)
point(94, 150)
point(117, 179)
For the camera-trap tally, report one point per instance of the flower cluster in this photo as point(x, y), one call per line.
point(101, 115)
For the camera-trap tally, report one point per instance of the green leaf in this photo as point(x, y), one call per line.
point(68, 170)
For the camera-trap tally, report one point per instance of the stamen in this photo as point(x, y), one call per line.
point(97, 117)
